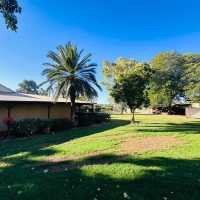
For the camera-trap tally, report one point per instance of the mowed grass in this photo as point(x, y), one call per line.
point(90, 164)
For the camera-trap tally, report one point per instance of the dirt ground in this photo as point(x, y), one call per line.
point(150, 143)
point(129, 146)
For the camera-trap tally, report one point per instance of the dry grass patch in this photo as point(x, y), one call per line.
point(150, 143)
point(129, 146)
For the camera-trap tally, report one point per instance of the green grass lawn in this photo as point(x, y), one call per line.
point(91, 164)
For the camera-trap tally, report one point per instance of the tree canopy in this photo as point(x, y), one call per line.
point(114, 72)
point(28, 87)
point(192, 76)
point(31, 87)
point(131, 89)
point(176, 77)
point(9, 9)
point(168, 81)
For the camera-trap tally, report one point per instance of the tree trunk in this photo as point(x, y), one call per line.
point(73, 107)
point(133, 116)
point(170, 105)
point(170, 108)
point(122, 110)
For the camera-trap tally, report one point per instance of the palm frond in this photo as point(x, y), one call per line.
point(71, 74)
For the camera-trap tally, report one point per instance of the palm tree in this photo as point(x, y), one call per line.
point(71, 75)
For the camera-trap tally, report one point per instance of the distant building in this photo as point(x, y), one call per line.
point(193, 110)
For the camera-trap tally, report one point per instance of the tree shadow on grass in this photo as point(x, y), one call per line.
point(101, 177)
point(36, 144)
point(105, 177)
point(184, 128)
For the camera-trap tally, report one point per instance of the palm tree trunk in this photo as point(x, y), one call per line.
point(73, 108)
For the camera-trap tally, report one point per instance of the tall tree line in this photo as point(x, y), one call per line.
point(170, 77)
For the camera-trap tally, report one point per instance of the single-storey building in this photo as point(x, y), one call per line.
point(193, 110)
point(20, 106)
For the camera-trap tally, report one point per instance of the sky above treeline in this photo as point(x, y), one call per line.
point(107, 29)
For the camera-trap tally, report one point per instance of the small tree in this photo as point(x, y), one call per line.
point(131, 90)
point(115, 71)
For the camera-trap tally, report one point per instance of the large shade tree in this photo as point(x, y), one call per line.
point(176, 78)
point(192, 77)
point(9, 9)
point(71, 74)
point(168, 80)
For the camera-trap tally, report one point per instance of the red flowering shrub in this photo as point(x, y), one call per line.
point(8, 121)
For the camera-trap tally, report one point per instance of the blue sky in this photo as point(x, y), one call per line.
point(108, 29)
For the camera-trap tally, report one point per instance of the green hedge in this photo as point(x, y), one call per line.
point(86, 119)
point(28, 127)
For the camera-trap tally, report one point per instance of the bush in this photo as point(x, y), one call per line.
point(58, 124)
point(28, 127)
point(3, 134)
point(86, 119)
point(8, 121)
point(102, 117)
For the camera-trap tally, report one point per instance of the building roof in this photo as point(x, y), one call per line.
point(21, 97)
point(7, 95)
point(5, 89)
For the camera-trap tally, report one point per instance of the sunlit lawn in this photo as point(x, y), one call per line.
point(91, 164)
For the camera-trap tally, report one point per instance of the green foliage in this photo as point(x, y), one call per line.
point(89, 118)
point(115, 72)
point(9, 9)
point(54, 125)
point(158, 98)
point(132, 88)
point(104, 107)
point(175, 76)
point(28, 87)
point(71, 75)
point(28, 127)
point(168, 81)
point(31, 87)
point(192, 76)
